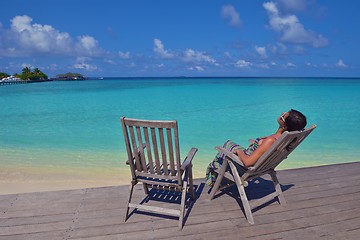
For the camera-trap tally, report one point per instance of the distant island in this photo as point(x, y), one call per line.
point(69, 76)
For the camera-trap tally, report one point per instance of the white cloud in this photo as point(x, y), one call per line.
point(81, 63)
point(87, 46)
point(192, 56)
point(38, 38)
point(53, 66)
point(160, 50)
point(291, 29)
point(242, 63)
point(289, 64)
point(311, 65)
point(227, 54)
point(341, 64)
point(27, 38)
point(85, 66)
point(229, 12)
point(124, 55)
point(279, 49)
point(88, 42)
point(24, 65)
point(197, 68)
point(271, 8)
point(261, 51)
point(109, 61)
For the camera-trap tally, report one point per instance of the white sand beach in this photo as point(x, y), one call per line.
point(34, 179)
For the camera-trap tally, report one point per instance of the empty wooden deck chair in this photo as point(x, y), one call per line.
point(233, 169)
point(154, 157)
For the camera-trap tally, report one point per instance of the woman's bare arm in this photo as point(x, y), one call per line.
point(251, 160)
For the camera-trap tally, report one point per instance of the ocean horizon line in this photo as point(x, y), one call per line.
point(218, 77)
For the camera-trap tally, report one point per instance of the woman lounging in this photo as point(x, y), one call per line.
point(288, 121)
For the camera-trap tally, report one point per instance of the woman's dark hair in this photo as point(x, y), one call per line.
point(296, 121)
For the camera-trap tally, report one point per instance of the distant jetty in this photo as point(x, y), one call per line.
point(22, 81)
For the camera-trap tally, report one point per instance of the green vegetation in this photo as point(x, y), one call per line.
point(3, 75)
point(70, 76)
point(27, 74)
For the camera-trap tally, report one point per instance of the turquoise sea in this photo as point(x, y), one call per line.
point(74, 126)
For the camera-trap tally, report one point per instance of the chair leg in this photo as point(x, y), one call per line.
point(182, 206)
point(146, 189)
point(278, 188)
point(243, 197)
point(127, 205)
point(191, 184)
point(218, 179)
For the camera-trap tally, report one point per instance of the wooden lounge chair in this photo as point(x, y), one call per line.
point(154, 158)
point(233, 169)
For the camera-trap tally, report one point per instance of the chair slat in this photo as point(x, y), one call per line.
point(141, 149)
point(171, 151)
point(177, 150)
point(156, 151)
point(149, 175)
point(148, 150)
point(135, 149)
point(163, 151)
point(128, 149)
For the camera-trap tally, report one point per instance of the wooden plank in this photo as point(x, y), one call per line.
point(134, 148)
point(148, 150)
point(141, 149)
point(156, 152)
point(53, 235)
point(150, 123)
point(167, 211)
point(171, 151)
point(163, 151)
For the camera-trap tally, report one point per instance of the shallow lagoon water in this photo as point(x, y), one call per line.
point(74, 126)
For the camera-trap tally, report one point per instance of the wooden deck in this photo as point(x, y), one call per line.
point(323, 203)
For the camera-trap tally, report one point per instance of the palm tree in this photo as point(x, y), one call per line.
point(37, 71)
point(26, 70)
point(26, 73)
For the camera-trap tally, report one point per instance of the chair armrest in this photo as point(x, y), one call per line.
point(188, 160)
point(230, 155)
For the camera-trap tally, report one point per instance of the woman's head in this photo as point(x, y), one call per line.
point(293, 120)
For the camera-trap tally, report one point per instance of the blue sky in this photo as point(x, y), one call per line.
point(149, 38)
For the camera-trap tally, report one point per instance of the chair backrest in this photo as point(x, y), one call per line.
point(152, 148)
point(280, 150)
